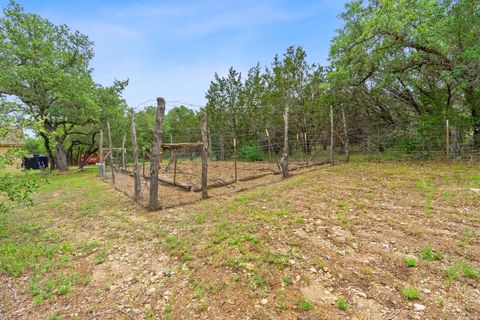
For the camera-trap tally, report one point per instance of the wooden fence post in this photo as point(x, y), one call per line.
point(307, 149)
point(143, 164)
point(222, 146)
point(174, 154)
point(447, 138)
point(345, 133)
point(284, 160)
point(331, 135)
point(210, 150)
point(271, 151)
point(136, 172)
point(101, 167)
point(124, 162)
point(269, 145)
point(203, 123)
point(235, 156)
point(155, 155)
point(111, 151)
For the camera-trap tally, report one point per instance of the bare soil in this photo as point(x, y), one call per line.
point(189, 173)
point(288, 250)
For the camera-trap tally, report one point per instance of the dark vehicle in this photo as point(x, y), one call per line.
point(35, 161)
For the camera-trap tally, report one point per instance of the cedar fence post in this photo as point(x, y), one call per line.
point(203, 123)
point(345, 133)
point(101, 167)
point(136, 173)
point(155, 155)
point(174, 154)
point(111, 151)
point(124, 163)
point(331, 135)
point(306, 146)
point(270, 150)
point(235, 156)
point(210, 150)
point(447, 138)
point(284, 160)
point(269, 145)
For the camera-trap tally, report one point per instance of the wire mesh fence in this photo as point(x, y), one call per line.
point(242, 161)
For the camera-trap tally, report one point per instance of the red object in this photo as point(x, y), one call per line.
point(93, 159)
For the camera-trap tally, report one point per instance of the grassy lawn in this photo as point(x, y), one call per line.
point(360, 240)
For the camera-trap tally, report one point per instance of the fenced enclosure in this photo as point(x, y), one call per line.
point(190, 164)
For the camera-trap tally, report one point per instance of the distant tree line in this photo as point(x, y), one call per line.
point(398, 70)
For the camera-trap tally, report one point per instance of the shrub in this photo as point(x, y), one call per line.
point(251, 151)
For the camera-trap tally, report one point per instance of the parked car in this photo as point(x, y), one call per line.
point(93, 159)
point(35, 161)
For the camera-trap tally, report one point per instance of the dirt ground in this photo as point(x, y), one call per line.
point(189, 173)
point(390, 240)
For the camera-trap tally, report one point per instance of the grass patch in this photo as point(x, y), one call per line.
point(462, 268)
point(411, 293)
point(341, 304)
point(304, 305)
point(410, 262)
point(428, 254)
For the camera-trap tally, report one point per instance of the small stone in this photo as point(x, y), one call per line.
point(151, 291)
point(264, 301)
point(313, 270)
point(427, 291)
point(419, 307)
point(249, 266)
point(359, 293)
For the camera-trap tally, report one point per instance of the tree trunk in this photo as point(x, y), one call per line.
point(61, 156)
point(46, 143)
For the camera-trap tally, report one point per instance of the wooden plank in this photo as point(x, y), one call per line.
point(186, 145)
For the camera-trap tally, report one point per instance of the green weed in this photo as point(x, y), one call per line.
point(411, 293)
point(429, 254)
point(304, 304)
point(341, 304)
point(410, 262)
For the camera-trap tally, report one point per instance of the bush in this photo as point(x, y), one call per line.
point(251, 151)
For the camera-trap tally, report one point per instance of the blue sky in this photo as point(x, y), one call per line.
point(173, 48)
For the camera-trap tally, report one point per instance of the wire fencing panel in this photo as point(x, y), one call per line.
point(243, 161)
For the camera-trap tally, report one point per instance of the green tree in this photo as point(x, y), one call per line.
point(17, 188)
point(46, 67)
